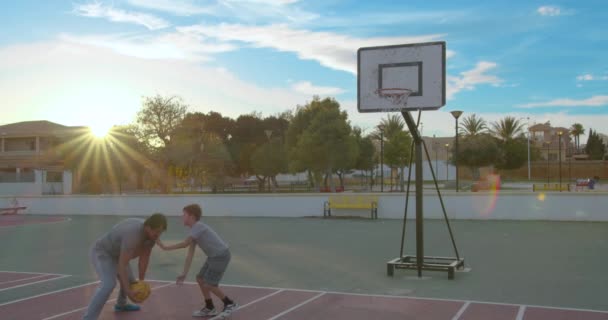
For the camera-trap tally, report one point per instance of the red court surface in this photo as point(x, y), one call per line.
point(13, 280)
point(169, 301)
point(17, 220)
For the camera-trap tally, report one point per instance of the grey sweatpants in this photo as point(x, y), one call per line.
point(107, 271)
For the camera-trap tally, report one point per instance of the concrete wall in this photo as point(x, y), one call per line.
point(582, 206)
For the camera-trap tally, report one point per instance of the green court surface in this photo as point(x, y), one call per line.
point(558, 264)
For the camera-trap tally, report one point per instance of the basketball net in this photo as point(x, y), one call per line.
point(397, 96)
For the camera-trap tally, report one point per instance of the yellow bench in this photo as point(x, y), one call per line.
point(550, 187)
point(351, 202)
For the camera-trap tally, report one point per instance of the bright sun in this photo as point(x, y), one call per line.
point(100, 130)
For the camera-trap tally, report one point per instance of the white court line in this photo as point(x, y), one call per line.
point(520, 313)
point(461, 311)
point(37, 223)
point(30, 278)
point(47, 293)
point(296, 306)
point(42, 273)
point(407, 297)
point(83, 308)
point(250, 303)
point(35, 282)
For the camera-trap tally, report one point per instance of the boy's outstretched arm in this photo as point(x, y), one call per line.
point(180, 278)
point(178, 245)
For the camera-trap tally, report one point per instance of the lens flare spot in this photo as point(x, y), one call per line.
point(541, 196)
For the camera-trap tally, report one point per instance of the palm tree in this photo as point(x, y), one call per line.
point(472, 125)
point(576, 130)
point(391, 125)
point(507, 128)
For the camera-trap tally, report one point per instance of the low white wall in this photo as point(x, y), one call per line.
point(20, 188)
point(585, 206)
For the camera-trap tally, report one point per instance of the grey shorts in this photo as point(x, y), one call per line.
point(214, 268)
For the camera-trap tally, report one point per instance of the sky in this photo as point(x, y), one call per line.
point(90, 63)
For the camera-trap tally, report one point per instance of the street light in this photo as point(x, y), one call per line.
point(381, 159)
point(560, 159)
point(456, 114)
point(548, 144)
point(529, 174)
point(447, 162)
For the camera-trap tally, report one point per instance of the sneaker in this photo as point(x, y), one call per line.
point(126, 307)
point(230, 308)
point(205, 312)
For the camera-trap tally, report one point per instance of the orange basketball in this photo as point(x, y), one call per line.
point(143, 288)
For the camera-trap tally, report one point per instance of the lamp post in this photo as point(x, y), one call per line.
point(447, 161)
point(456, 114)
point(560, 160)
point(548, 144)
point(529, 172)
point(381, 159)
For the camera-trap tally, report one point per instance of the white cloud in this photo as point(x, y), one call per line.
point(468, 80)
point(591, 77)
point(97, 10)
point(551, 11)
point(331, 50)
point(179, 46)
point(177, 7)
point(595, 101)
point(243, 10)
point(78, 84)
point(308, 88)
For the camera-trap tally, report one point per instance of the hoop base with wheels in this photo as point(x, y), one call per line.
point(449, 264)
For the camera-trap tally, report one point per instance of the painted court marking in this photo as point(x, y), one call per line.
point(407, 297)
point(297, 306)
point(461, 311)
point(35, 282)
point(48, 293)
point(83, 308)
point(520, 313)
point(24, 279)
point(252, 302)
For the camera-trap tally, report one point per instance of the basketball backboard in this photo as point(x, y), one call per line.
point(418, 67)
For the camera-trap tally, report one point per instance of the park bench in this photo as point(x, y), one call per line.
point(351, 202)
point(550, 187)
point(584, 184)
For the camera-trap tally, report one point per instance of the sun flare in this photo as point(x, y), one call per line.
point(100, 130)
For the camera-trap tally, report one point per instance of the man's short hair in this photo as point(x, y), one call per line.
point(156, 221)
point(194, 210)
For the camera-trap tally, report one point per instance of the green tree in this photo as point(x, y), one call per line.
point(477, 151)
point(365, 160)
point(472, 125)
point(577, 130)
point(513, 153)
point(595, 148)
point(397, 153)
point(156, 122)
point(319, 140)
point(269, 160)
point(507, 128)
point(247, 136)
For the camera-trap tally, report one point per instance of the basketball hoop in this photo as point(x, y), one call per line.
point(397, 96)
